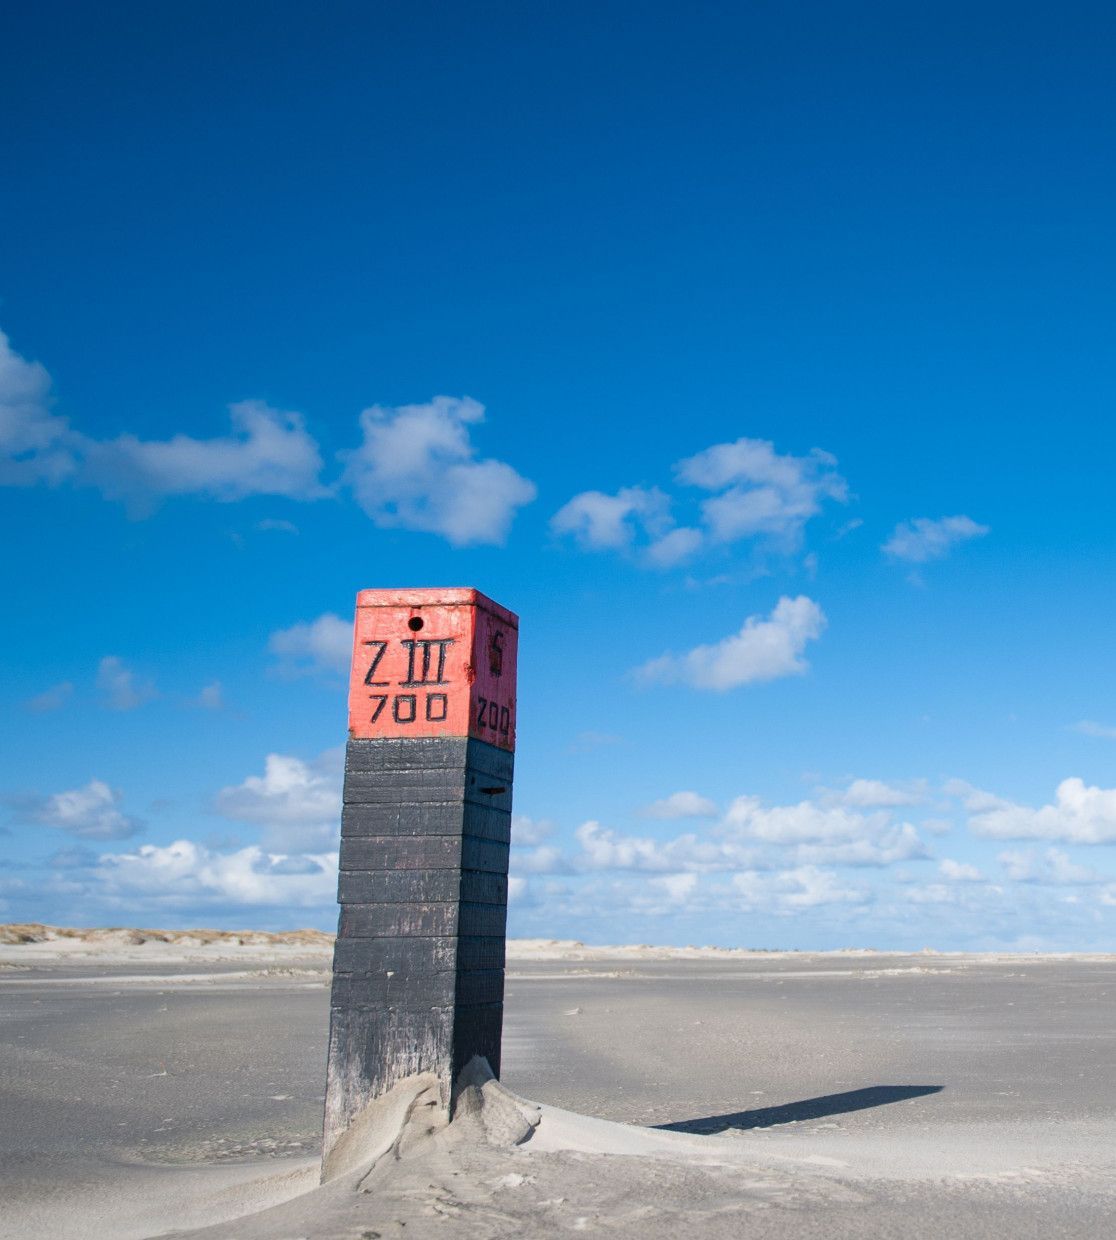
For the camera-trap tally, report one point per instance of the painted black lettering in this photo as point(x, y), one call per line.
point(437, 707)
point(496, 654)
point(380, 648)
point(482, 705)
point(381, 701)
point(505, 721)
point(423, 666)
point(403, 701)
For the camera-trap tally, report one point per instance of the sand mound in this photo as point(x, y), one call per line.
point(506, 1166)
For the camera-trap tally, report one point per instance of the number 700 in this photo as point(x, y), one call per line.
point(405, 706)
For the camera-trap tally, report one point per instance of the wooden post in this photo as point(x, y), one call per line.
point(418, 968)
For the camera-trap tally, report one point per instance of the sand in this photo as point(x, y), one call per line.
point(173, 1085)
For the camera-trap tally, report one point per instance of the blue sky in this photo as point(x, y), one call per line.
point(759, 356)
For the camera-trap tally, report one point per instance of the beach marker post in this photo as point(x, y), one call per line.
point(418, 966)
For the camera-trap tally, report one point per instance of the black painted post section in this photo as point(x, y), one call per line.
point(418, 980)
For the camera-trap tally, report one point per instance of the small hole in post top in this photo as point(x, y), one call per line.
point(414, 624)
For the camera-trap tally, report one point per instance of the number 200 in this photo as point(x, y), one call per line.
point(494, 716)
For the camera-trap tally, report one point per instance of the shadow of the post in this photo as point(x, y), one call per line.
point(809, 1108)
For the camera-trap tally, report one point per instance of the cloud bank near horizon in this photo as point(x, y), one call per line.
point(848, 859)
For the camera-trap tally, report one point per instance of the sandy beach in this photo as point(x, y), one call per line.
point(158, 1084)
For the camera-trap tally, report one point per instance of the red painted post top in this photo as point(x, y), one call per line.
point(433, 663)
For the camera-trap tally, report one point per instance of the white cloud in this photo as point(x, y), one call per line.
point(892, 844)
point(764, 649)
point(759, 494)
point(269, 453)
point(605, 849)
point(875, 794)
point(1102, 730)
point(544, 859)
point(976, 800)
point(50, 699)
point(826, 834)
point(678, 888)
point(1053, 868)
point(789, 890)
point(416, 467)
point(212, 696)
point(416, 470)
point(674, 547)
point(297, 803)
point(600, 522)
point(931, 893)
point(33, 441)
point(682, 805)
point(755, 836)
point(123, 688)
point(527, 832)
point(186, 872)
point(960, 871)
point(620, 900)
point(90, 813)
point(1080, 814)
point(924, 538)
point(321, 645)
point(762, 493)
